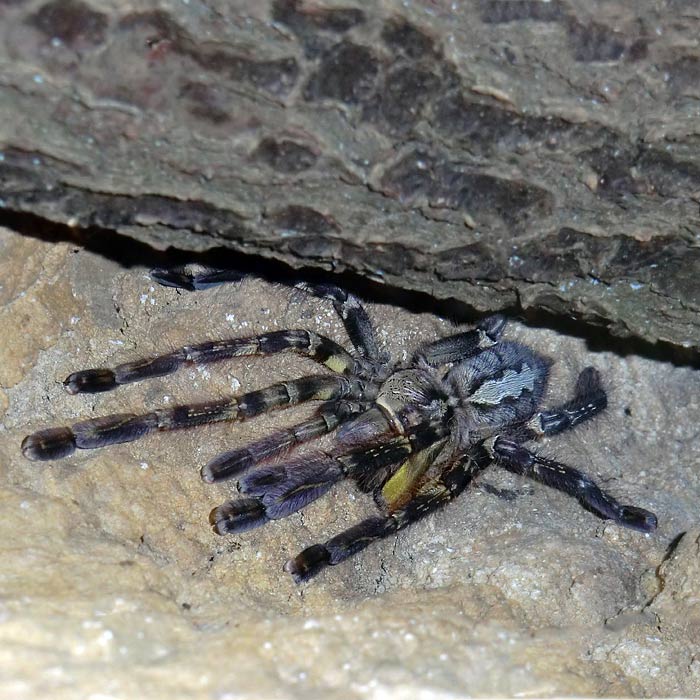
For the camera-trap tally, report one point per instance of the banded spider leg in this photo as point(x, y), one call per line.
point(56, 443)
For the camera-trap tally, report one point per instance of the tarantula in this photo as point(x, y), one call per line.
point(414, 434)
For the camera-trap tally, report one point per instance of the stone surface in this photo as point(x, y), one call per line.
point(114, 586)
point(523, 154)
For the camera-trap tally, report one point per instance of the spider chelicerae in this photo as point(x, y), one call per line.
point(414, 434)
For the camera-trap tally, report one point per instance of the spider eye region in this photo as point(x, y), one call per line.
point(409, 397)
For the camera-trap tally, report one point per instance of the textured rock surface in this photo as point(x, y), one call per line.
point(519, 154)
point(114, 586)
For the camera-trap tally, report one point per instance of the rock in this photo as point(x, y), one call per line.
point(114, 584)
point(531, 156)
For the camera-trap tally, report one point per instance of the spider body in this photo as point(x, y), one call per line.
point(413, 434)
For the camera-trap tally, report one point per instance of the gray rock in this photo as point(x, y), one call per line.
point(536, 156)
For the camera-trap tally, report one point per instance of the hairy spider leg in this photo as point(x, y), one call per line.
point(589, 400)
point(433, 494)
point(460, 346)
point(235, 462)
point(194, 277)
point(56, 443)
point(353, 315)
point(278, 490)
point(518, 459)
point(319, 348)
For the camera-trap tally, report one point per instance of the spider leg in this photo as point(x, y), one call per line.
point(317, 347)
point(235, 462)
point(283, 489)
point(518, 459)
point(353, 315)
point(432, 495)
point(589, 399)
point(56, 443)
point(194, 277)
point(462, 345)
point(356, 320)
point(276, 491)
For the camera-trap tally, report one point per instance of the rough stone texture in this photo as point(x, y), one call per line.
point(523, 154)
point(114, 586)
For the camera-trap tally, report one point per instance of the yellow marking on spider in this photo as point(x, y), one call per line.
point(337, 363)
point(401, 484)
point(325, 394)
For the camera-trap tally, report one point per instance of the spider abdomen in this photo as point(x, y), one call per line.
point(501, 385)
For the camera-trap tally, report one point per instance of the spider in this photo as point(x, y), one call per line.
point(414, 434)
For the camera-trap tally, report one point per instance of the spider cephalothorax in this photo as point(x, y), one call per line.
point(414, 434)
